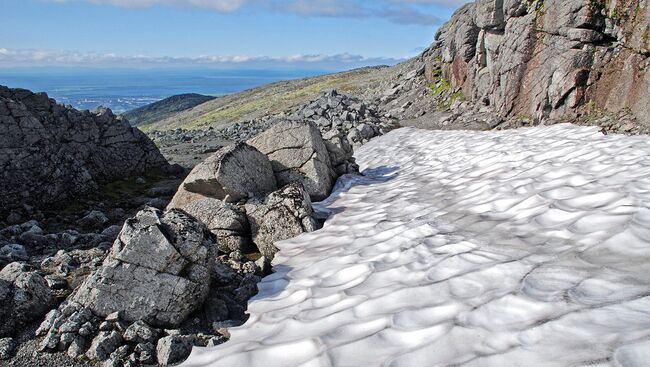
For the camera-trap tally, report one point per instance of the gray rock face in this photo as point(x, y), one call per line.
point(233, 173)
point(547, 58)
point(284, 214)
point(298, 154)
point(12, 252)
point(226, 221)
point(93, 220)
point(6, 348)
point(173, 349)
point(158, 270)
point(50, 153)
point(140, 332)
point(24, 297)
point(103, 345)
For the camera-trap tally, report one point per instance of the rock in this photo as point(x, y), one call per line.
point(173, 349)
point(157, 203)
point(233, 173)
point(340, 152)
point(215, 309)
point(157, 271)
point(77, 347)
point(118, 356)
point(93, 220)
point(111, 232)
point(13, 252)
point(114, 316)
point(13, 218)
point(140, 332)
point(145, 353)
point(7, 346)
point(284, 214)
point(103, 345)
point(263, 265)
point(366, 132)
point(51, 153)
point(298, 154)
point(546, 59)
point(226, 221)
point(223, 274)
point(24, 297)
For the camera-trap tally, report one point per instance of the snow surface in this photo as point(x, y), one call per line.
point(526, 247)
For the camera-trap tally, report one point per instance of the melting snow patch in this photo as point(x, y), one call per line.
point(525, 247)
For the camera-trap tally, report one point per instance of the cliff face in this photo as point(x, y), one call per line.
point(50, 153)
point(546, 58)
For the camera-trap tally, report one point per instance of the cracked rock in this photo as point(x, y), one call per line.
point(298, 154)
point(284, 214)
point(24, 297)
point(233, 173)
point(157, 271)
point(226, 221)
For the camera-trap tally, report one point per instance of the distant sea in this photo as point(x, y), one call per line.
point(123, 90)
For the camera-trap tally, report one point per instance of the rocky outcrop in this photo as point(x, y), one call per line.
point(283, 214)
point(547, 58)
point(233, 173)
point(157, 273)
point(226, 221)
point(50, 153)
point(24, 297)
point(157, 270)
point(298, 154)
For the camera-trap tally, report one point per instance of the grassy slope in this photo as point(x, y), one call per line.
point(272, 98)
point(162, 109)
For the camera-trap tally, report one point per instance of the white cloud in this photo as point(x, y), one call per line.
point(217, 5)
point(35, 58)
point(397, 11)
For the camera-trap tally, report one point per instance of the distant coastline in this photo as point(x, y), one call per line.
point(122, 90)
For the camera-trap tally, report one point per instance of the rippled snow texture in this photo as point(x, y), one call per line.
point(526, 247)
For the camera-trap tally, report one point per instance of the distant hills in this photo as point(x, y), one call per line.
point(162, 109)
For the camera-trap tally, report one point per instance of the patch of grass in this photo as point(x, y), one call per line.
point(457, 96)
point(440, 87)
point(537, 6)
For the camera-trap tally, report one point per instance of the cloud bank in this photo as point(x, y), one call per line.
point(38, 58)
point(419, 12)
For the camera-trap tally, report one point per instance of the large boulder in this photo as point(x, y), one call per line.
point(157, 271)
point(226, 221)
point(233, 173)
point(50, 153)
point(284, 214)
point(298, 154)
point(24, 297)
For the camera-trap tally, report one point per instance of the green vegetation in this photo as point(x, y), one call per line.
point(442, 89)
point(535, 5)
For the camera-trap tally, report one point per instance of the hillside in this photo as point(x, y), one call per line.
point(268, 99)
point(162, 109)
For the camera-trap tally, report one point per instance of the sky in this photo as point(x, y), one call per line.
point(334, 34)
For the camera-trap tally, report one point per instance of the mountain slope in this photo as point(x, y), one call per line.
point(268, 99)
point(162, 109)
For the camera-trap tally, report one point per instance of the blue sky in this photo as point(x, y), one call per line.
point(218, 33)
